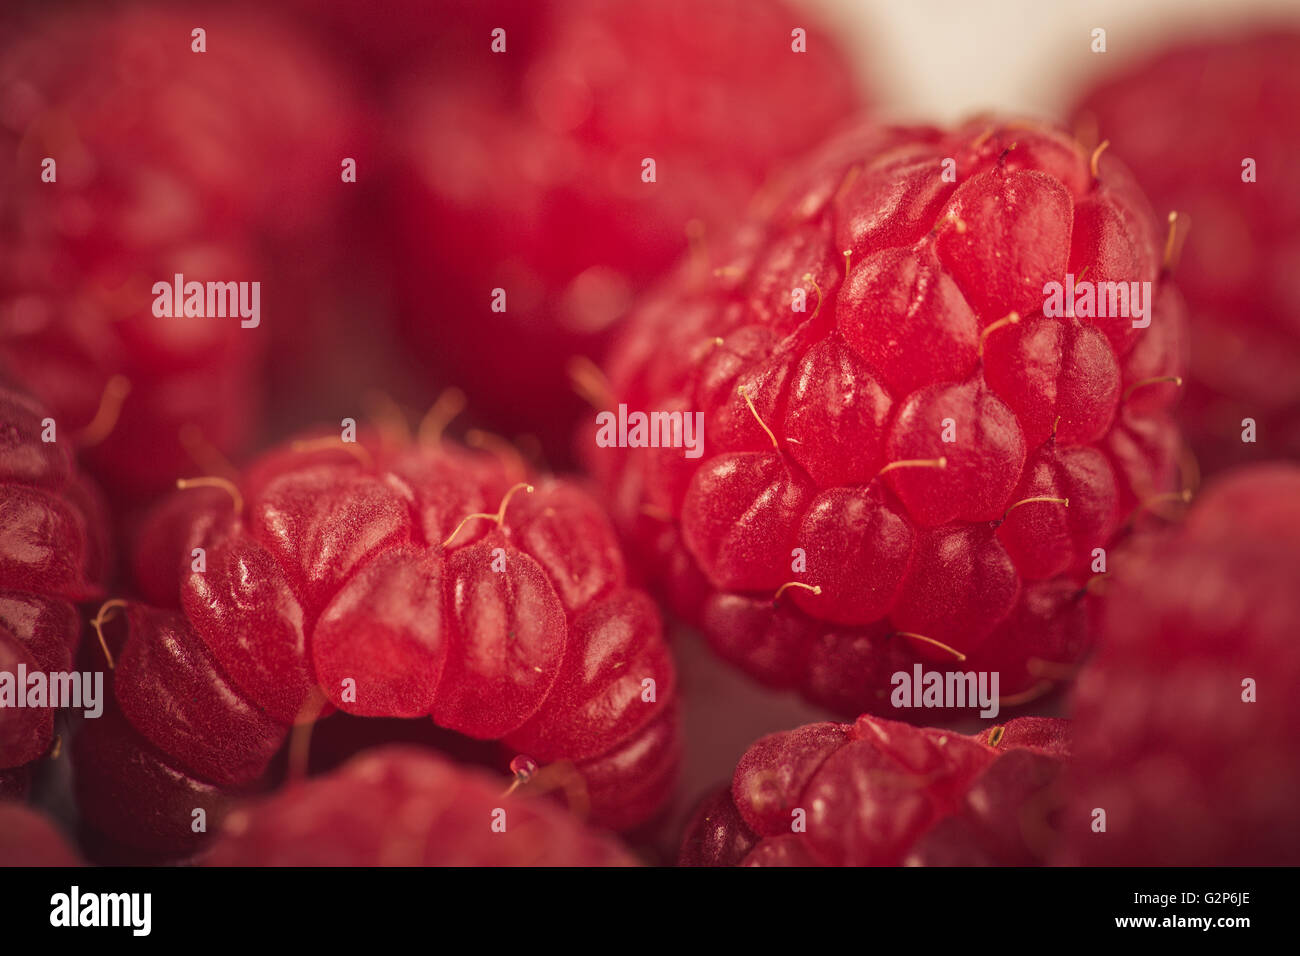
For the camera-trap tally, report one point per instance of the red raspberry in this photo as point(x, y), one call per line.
point(916, 547)
point(1186, 119)
point(168, 161)
point(176, 736)
point(1187, 772)
point(399, 806)
point(881, 793)
point(388, 38)
point(530, 180)
point(53, 550)
point(400, 581)
point(27, 838)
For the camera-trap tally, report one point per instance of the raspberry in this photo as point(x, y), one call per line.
point(1186, 118)
point(53, 551)
point(919, 465)
point(400, 580)
point(389, 38)
point(27, 838)
point(1187, 772)
point(882, 793)
point(530, 180)
point(168, 161)
point(399, 806)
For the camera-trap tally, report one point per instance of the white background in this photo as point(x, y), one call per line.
point(941, 60)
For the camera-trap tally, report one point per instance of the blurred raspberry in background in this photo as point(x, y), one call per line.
point(531, 181)
point(222, 165)
point(384, 40)
point(1187, 119)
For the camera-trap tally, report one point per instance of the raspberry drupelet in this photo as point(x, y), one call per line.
point(1202, 124)
point(1187, 716)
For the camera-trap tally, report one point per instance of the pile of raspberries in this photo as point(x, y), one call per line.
point(525, 372)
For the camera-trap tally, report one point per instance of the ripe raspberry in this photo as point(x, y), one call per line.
point(401, 580)
point(1186, 119)
point(930, 422)
point(881, 793)
point(53, 551)
point(399, 806)
point(27, 838)
point(386, 39)
point(1187, 772)
point(167, 161)
point(530, 180)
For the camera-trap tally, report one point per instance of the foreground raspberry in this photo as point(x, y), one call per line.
point(399, 580)
point(1188, 724)
point(167, 161)
point(523, 172)
point(920, 465)
point(1186, 120)
point(399, 806)
point(881, 793)
point(53, 551)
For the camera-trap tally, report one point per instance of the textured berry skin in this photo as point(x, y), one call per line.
point(529, 179)
point(27, 838)
point(171, 690)
point(135, 802)
point(866, 376)
point(1188, 773)
point(399, 806)
point(882, 793)
point(53, 549)
point(335, 573)
point(168, 161)
point(1185, 119)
